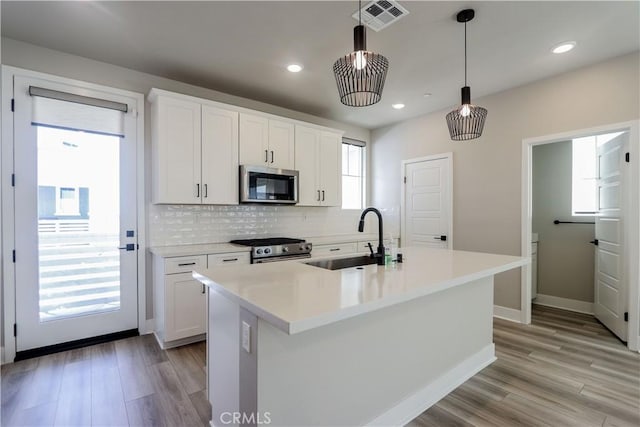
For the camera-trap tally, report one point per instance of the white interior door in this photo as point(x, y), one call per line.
point(611, 286)
point(75, 214)
point(427, 203)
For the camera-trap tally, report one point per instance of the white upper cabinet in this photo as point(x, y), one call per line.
point(330, 159)
point(254, 140)
point(318, 158)
point(219, 156)
point(306, 158)
point(197, 146)
point(281, 144)
point(176, 136)
point(194, 152)
point(266, 142)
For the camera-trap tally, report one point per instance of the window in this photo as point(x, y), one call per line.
point(68, 201)
point(585, 173)
point(353, 176)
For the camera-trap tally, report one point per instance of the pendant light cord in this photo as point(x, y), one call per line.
point(465, 53)
point(360, 12)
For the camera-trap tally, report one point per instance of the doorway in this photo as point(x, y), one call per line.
point(74, 214)
point(583, 208)
point(427, 202)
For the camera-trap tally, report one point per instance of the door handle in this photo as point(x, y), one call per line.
point(128, 247)
point(206, 191)
point(272, 156)
point(318, 195)
point(323, 195)
point(595, 242)
point(442, 238)
point(266, 156)
point(197, 190)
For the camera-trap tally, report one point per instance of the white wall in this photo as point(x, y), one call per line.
point(487, 171)
point(565, 256)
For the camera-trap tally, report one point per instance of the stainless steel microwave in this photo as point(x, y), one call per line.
point(259, 184)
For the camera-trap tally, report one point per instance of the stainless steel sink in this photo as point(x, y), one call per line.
point(338, 263)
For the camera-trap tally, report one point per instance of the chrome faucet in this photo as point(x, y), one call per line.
point(379, 256)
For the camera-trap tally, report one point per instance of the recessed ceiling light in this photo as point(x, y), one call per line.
point(428, 94)
point(398, 106)
point(294, 68)
point(563, 47)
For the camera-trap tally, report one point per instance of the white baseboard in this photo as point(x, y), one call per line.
point(419, 402)
point(507, 313)
point(564, 303)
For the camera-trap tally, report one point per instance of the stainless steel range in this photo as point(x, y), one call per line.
point(276, 249)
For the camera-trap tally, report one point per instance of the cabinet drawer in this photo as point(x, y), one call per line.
point(363, 246)
point(226, 259)
point(338, 249)
point(184, 264)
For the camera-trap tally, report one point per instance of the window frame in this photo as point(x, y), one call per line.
point(362, 176)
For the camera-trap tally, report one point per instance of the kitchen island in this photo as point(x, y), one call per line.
point(298, 345)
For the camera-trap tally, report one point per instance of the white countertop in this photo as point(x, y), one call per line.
point(296, 297)
point(203, 249)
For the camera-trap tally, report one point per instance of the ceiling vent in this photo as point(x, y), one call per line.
point(381, 13)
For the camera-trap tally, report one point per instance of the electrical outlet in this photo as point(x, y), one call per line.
point(246, 337)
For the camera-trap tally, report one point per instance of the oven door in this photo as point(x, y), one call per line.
point(267, 185)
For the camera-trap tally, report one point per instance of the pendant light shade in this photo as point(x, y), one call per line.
point(467, 121)
point(360, 75)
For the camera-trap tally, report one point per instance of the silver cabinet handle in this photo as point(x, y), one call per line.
point(334, 249)
point(266, 156)
point(272, 156)
point(229, 259)
point(206, 191)
point(186, 263)
point(323, 195)
point(203, 290)
point(318, 195)
point(197, 190)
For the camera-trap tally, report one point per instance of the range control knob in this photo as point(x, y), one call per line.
point(285, 249)
point(267, 251)
point(259, 251)
point(308, 247)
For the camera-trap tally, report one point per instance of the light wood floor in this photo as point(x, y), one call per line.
point(563, 370)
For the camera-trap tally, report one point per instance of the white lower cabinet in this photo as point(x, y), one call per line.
point(180, 301)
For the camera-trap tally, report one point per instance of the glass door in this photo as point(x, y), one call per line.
point(76, 262)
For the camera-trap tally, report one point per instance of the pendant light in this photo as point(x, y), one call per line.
point(467, 121)
point(360, 75)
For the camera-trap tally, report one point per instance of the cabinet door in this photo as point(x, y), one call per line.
point(254, 140)
point(176, 151)
point(185, 307)
point(330, 154)
point(219, 156)
point(306, 163)
point(281, 144)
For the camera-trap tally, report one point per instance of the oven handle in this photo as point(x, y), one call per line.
point(279, 258)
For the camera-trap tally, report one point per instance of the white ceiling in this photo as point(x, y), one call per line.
point(242, 48)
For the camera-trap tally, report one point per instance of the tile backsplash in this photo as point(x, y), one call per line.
point(194, 224)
